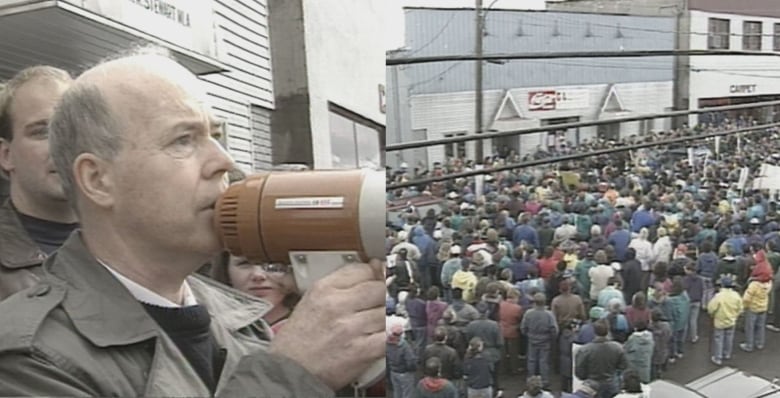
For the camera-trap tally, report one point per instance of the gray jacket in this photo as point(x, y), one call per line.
point(599, 360)
point(80, 332)
point(491, 336)
point(20, 257)
point(540, 326)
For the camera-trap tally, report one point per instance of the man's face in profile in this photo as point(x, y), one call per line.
point(170, 170)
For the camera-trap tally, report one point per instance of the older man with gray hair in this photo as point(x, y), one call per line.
point(120, 312)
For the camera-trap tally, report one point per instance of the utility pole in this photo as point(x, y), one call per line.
point(479, 52)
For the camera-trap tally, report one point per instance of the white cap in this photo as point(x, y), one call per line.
point(464, 206)
point(404, 165)
point(755, 221)
point(455, 249)
point(437, 234)
point(402, 235)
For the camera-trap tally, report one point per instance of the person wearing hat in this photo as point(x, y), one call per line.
point(448, 269)
point(401, 362)
point(541, 329)
point(413, 253)
point(725, 307)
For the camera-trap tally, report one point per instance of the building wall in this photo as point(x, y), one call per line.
point(345, 65)
point(628, 7)
point(767, 8)
point(451, 113)
point(446, 32)
point(714, 76)
point(244, 93)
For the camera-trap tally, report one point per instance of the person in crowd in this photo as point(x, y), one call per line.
point(588, 389)
point(639, 351)
point(644, 250)
point(401, 363)
point(565, 360)
point(582, 275)
point(477, 371)
point(434, 309)
point(679, 307)
point(601, 360)
point(448, 269)
point(465, 280)
point(510, 316)
point(404, 273)
point(534, 388)
point(567, 307)
point(36, 219)
point(597, 239)
point(610, 292)
point(525, 232)
point(662, 248)
point(662, 341)
point(599, 275)
point(450, 366)
point(706, 267)
point(273, 283)
point(418, 319)
point(547, 262)
point(131, 264)
point(541, 329)
point(433, 384)
point(463, 311)
point(413, 253)
point(638, 309)
point(586, 333)
point(632, 274)
point(725, 307)
point(619, 328)
point(632, 385)
point(755, 301)
point(694, 286)
point(489, 333)
point(620, 240)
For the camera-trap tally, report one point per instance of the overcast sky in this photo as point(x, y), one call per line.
point(395, 33)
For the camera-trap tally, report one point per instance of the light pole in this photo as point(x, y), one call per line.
point(478, 50)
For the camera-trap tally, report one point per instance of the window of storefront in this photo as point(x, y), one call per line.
point(776, 38)
point(355, 142)
point(718, 34)
point(751, 35)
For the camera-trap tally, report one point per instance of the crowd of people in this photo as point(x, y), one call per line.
point(618, 265)
point(114, 177)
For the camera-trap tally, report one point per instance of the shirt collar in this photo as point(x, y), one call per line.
point(147, 296)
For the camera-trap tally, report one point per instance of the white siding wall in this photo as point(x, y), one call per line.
point(242, 42)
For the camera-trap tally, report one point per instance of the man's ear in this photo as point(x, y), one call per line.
point(6, 160)
point(94, 177)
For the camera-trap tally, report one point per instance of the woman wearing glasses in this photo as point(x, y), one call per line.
point(273, 283)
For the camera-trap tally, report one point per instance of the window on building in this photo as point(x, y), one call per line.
point(776, 38)
point(457, 149)
point(751, 35)
point(355, 142)
point(718, 34)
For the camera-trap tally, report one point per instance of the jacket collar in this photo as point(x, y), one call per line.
point(17, 249)
point(105, 312)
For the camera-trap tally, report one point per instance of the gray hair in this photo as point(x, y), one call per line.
point(83, 123)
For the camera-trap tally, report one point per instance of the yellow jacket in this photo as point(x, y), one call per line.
point(725, 308)
point(466, 281)
point(756, 297)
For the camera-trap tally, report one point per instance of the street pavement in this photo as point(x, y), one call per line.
point(695, 362)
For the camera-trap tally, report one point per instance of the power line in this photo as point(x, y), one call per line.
point(564, 126)
point(571, 54)
point(559, 159)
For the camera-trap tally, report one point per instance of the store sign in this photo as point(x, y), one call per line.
point(189, 24)
point(742, 88)
point(549, 100)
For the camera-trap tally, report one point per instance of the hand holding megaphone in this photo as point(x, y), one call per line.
point(328, 225)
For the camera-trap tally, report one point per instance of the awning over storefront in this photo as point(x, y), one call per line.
point(612, 107)
point(61, 34)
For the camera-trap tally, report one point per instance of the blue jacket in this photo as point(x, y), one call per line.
point(641, 219)
point(679, 309)
point(707, 264)
point(620, 240)
point(400, 357)
point(525, 233)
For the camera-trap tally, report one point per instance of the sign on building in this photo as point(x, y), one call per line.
point(548, 100)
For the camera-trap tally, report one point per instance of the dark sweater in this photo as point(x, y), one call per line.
point(48, 235)
point(189, 328)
